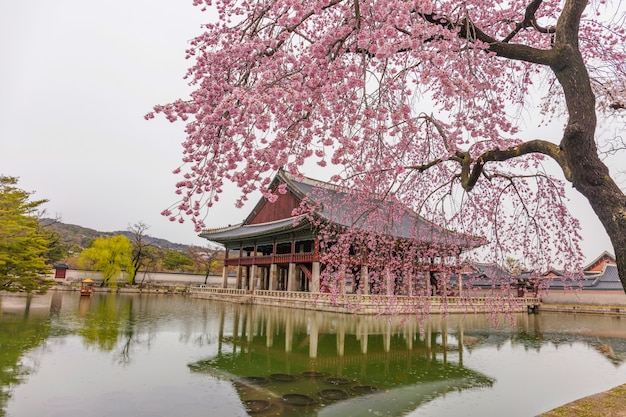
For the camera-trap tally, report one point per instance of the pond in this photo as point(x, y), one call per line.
point(170, 355)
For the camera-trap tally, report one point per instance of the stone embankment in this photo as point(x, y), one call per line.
point(584, 308)
point(367, 304)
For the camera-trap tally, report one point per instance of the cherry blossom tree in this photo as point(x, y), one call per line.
point(421, 102)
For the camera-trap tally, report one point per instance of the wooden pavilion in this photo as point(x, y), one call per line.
point(275, 249)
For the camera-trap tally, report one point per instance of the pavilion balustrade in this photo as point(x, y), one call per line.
point(283, 258)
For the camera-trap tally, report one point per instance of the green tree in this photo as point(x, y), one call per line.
point(57, 249)
point(109, 255)
point(23, 244)
point(176, 261)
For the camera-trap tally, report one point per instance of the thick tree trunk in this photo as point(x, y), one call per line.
point(591, 178)
point(581, 163)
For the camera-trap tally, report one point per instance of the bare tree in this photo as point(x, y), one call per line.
point(205, 259)
point(138, 239)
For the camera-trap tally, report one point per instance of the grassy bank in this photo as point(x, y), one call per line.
point(611, 403)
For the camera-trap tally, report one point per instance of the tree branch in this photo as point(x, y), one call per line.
point(472, 168)
point(466, 29)
point(530, 21)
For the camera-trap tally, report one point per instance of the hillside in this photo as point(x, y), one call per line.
point(75, 235)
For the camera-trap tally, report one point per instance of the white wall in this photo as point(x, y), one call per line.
point(77, 275)
point(587, 297)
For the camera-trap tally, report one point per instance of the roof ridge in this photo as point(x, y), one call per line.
point(223, 228)
point(274, 221)
point(311, 181)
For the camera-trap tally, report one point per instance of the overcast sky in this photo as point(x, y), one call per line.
point(77, 77)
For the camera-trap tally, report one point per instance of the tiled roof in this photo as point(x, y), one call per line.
point(489, 275)
point(243, 231)
point(604, 254)
point(376, 216)
point(338, 207)
point(607, 280)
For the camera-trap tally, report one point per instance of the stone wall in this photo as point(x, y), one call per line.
point(586, 297)
point(77, 275)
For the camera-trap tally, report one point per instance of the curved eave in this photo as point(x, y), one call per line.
point(256, 231)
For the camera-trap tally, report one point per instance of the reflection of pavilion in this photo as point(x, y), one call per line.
point(405, 367)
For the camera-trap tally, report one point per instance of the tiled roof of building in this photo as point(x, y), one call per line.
point(608, 280)
point(243, 231)
point(486, 275)
point(337, 206)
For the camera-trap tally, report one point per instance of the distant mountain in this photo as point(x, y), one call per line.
point(82, 236)
point(156, 241)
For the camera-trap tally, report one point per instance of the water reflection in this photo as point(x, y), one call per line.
point(23, 326)
point(285, 362)
point(274, 361)
point(407, 365)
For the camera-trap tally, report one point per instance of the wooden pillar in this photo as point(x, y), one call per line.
point(239, 277)
point(444, 284)
point(315, 277)
point(291, 277)
point(253, 277)
point(342, 280)
point(458, 271)
point(225, 270)
point(239, 284)
point(388, 282)
point(365, 280)
point(273, 284)
point(225, 277)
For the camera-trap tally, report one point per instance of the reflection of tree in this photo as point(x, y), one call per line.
point(131, 334)
point(101, 327)
point(18, 335)
point(112, 325)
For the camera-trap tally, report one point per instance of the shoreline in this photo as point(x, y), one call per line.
point(610, 403)
point(191, 289)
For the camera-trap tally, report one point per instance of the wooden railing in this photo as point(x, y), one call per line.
point(282, 258)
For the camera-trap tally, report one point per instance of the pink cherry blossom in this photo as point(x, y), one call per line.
point(416, 103)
